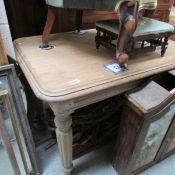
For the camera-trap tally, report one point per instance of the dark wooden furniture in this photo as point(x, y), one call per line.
point(27, 18)
point(147, 133)
point(150, 33)
point(163, 9)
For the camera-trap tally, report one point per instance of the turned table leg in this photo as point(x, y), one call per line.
point(63, 122)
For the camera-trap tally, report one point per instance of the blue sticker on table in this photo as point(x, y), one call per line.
point(115, 68)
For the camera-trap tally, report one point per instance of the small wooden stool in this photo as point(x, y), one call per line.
point(154, 32)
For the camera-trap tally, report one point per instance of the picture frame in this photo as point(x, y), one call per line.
point(13, 109)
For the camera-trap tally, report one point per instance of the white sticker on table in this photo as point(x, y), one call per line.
point(74, 82)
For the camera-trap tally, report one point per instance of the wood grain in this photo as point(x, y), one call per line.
point(130, 128)
point(73, 69)
point(3, 56)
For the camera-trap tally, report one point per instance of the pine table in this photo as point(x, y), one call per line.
point(72, 75)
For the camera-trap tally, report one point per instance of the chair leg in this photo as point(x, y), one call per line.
point(97, 39)
point(128, 18)
point(164, 46)
point(143, 44)
point(78, 20)
point(48, 26)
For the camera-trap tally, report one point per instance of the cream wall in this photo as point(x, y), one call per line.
point(5, 31)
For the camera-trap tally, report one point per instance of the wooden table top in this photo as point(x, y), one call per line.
point(75, 68)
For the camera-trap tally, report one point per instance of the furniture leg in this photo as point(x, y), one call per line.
point(97, 39)
point(164, 46)
point(78, 20)
point(63, 122)
point(128, 20)
point(48, 26)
